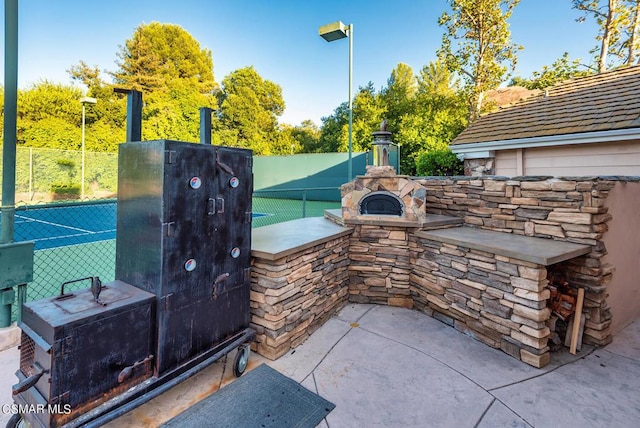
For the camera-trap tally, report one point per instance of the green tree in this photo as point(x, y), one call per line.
point(398, 97)
point(286, 143)
point(618, 22)
point(49, 115)
point(249, 110)
point(438, 116)
point(562, 69)
point(484, 50)
point(368, 113)
point(158, 54)
point(307, 136)
point(332, 128)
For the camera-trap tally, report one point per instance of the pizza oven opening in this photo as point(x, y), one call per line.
point(381, 203)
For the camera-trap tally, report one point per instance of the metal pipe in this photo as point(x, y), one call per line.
point(350, 161)
point(82, 168)
point(205, 125)
point(10, 115)
point(134, 116)
point(8, 209)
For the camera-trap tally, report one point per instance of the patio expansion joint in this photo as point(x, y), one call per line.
point(490, 391)
point(332, 347)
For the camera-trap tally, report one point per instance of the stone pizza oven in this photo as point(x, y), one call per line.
point(381, 195)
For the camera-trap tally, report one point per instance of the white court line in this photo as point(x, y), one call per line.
point(70, 236)
point(57, 224)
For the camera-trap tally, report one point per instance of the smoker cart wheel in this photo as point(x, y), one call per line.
point(16, 421)
point(242, 358)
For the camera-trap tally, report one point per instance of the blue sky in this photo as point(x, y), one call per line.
point(280, 39)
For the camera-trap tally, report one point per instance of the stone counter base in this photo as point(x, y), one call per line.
point(294, 295)
point(498, 300)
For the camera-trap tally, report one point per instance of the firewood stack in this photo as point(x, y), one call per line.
point(562, 302)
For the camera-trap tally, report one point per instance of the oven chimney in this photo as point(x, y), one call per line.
point(381, 143)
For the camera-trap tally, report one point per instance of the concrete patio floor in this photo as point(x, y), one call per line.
point(394, 367)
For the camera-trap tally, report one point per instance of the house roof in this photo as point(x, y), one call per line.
point(597, 103)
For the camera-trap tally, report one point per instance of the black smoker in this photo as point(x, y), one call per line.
point(180, 300)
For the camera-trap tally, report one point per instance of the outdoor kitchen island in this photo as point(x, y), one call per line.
point(490, 285)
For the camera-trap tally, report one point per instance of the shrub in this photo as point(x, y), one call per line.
point(66, 189)
point(441, 162)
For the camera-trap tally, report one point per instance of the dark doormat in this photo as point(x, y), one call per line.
point(262, 398)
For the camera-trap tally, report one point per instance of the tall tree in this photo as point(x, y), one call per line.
point(484, 51)
point(439, 115)
point(562, 69)
point(331, 131)
point(399, 95)
point(618, 22)
point(158, 53)
point(249, 110)
point(633, 31)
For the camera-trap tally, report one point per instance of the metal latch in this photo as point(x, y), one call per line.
point(170, 156)
point(223, 166)
point(167, 228)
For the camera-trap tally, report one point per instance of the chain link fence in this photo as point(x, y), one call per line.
point(44, 175)
point(76, 239)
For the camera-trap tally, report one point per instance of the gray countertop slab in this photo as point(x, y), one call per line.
point(531, 249)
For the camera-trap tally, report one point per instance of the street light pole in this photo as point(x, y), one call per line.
point(350, 164)
point(337, 31)
point(84, 100)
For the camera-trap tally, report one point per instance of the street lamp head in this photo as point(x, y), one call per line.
point(334, 31)
point(88, 100)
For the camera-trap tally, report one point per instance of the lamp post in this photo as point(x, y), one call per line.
point(84, 100)
point(337, 31)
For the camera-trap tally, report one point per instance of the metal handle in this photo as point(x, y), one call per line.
point(215, 206)
point(71, 282)
point(30, 381)
point(127, 371)
point(220, 279)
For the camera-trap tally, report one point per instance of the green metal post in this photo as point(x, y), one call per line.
point(304, 203)
point(350, 164)
point(9, 147)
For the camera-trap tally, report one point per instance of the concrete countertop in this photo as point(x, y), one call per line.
point(282, 239)
point(531, 249)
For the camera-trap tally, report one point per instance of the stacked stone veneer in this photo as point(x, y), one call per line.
point(568, 209)
point(380, 266)
point(294, 295)
point(498, 300)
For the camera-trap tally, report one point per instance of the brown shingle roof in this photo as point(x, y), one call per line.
point(600, 102)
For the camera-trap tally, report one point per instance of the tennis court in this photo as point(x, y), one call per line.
point(76, 240)
point(65, 225)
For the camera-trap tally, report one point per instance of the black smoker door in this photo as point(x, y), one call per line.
point(206, 253)
point(187, 247)
point(233, 233)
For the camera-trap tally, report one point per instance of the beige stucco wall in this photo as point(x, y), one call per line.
point(622, 241)
point(618, 158)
